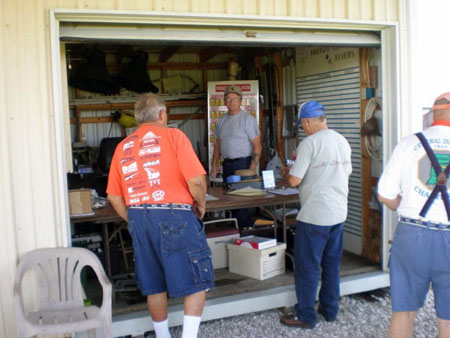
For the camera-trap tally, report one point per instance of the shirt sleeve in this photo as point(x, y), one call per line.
point(251, 127)
point(303, 160)
point(389, 185)
point(188, 161)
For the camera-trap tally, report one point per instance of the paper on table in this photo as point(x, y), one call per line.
point(83, 215)
point(284, 191)
point(247, 191)
point(211, 197)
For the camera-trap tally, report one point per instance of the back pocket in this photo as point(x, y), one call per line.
point(173, 236)
point(202, 266)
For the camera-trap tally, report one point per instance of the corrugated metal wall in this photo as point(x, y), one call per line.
point(29, 203)
point(339, 92)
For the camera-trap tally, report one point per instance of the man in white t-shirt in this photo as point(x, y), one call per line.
point(420, 253)
point(321, 170)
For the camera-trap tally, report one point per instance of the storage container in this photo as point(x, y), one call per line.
point(258, 264)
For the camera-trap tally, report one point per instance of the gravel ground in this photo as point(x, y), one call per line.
point(364, 315)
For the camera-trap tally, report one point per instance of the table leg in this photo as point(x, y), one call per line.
point(106, 246)
point(275, 223)
point(284, 224)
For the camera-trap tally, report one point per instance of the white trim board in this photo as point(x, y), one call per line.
point(220, 35)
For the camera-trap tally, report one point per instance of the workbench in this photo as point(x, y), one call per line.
point(107, 214)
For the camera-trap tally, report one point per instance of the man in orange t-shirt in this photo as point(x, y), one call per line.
point(157, 184)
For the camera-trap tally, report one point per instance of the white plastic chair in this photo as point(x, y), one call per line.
point(61, 307)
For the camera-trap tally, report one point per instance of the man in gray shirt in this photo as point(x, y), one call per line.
point(321, 171)
point(238, 141)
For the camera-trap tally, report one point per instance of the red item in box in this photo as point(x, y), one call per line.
point(255, 242)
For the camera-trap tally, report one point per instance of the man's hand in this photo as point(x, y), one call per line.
point(293, 181)
point(119, 205)
point(213, 172)
point(197, 188)
point(284, 170)
point(199, 210)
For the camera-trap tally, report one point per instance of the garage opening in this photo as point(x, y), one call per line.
point(342, 70)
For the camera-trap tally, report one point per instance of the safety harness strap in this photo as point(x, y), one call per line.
point(441, 184)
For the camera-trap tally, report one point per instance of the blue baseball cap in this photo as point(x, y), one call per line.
point(310, 109)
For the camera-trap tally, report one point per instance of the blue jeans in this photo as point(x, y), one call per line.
point(314, 247)
point(420, 257)
point(229, 167)
point(171, 252)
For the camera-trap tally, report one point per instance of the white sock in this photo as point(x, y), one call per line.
point(162, 329)
point(190, 326)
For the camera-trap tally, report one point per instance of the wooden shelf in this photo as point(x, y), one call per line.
point(130, 105)
point(78, 120)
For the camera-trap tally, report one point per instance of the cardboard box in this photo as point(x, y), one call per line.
point(217, 241)
point(258, 264)
point(80, 201)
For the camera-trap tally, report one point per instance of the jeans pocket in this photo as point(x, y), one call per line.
point(132, 232)
point(173, 236)
point(446, 235)
point(407, 242)
point(202, 266)
point(200, 225)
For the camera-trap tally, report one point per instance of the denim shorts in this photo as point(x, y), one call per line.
point(419, 258)
point(171, 252)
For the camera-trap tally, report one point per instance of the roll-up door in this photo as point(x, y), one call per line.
point(336, 85)
point(216, 35)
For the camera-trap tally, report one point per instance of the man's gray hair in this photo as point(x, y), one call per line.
point(147, 108)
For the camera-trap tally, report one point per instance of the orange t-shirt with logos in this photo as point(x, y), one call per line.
point(153, 165)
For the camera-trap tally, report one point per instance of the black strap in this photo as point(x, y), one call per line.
point(440, 187)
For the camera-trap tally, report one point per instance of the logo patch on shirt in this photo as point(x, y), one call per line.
point(155, 182)
point(158, 195)
point(129, 177)
point(128, 147)
point(427, 174)
point(152, 173)
point(127, 159)
point(151, 163)
point(149, 139)
point(128, 169)
point(152, 150)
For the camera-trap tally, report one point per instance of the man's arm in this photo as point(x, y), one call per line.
point(391, 204)
point(293, 181)
point(216, 155)
point(256, 151)
point(197, 188)
point(119, 205)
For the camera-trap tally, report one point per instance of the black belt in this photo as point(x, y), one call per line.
point(162, 206)
point(237, 159)
point(424, 224)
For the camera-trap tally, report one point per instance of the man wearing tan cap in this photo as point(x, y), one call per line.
point(238, 141)
point(415, 184)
